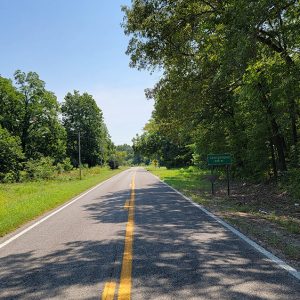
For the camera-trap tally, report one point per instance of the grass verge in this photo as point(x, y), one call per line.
point(22, 202)
point(262, 212)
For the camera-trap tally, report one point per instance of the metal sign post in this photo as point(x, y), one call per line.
point(228, 183)
point(79, 156)
point(212, 181)
point(220, 160)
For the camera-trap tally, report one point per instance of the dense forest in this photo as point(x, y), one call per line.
point(230, 84)
point(39, 135)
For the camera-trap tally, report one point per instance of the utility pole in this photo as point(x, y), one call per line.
point(79, 155)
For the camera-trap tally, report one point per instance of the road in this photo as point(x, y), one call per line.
point(133, 235)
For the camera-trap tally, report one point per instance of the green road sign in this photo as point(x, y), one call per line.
point(219, 159)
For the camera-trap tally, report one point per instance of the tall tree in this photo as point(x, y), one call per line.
point(231, 75)
point(81, 115)
point(154, 144)
point(10, 107)
point(36, 117)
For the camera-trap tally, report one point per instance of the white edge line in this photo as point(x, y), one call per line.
point(54, 213)
point(260, 249)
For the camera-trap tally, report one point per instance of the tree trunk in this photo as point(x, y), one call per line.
point(25, 129)
point(279, 143)
point(281, 49)
point(274, 166)
point(277, 138)
point(292, 102)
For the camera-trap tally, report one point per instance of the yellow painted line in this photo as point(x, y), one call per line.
point(109, 291)
point(127, 204)
point(125, 280)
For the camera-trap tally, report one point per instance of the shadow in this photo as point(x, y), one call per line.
point(80, 264)
point(179, 253)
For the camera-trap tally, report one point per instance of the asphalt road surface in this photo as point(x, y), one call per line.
point(134, 236)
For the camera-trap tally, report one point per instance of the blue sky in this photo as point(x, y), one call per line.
point(78, 44)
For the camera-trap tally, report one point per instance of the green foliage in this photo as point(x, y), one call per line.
point(37, 113)
point(64, 166)
point(67, 165)
point(10, 107)
point(33, 140)
point(290, 181)
point(230, 82)
point(82, 115)
point(113, 163)
point(125, 154)
point(11, 156)
point(155, 145)
point(42, 168)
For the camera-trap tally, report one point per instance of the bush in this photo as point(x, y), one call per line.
point(290, 181)
point(40, 169)
point(190, 169)
point(65, 166)
point(11, 156)
point(23, 176)
point(59, 168)
point(9, 178)
point(113, 164)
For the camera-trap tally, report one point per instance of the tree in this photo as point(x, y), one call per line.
point(231, 76)
point(11, 156)
point(81, 115)
point(10, 107)
point(155, 145)
point(126, 154)
point(36, 115)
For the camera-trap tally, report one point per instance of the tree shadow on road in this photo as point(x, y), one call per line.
point(79, 264)
point(179, 253)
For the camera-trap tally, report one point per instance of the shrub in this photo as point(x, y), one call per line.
point(9, 178)
point(113, 164)
point(23, 176)
point(190, 169)
point(290, 181)
point(11, 156)
point(40, 169)
point(65, 166)
point(59, 168)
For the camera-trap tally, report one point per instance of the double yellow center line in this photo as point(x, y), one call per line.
point(125, 279)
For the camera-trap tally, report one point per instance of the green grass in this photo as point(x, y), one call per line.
point(185, 179)
point(22, 202)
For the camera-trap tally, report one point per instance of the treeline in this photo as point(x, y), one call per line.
point(230, 84)
point(38, 135)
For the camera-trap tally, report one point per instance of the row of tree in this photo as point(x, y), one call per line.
point(35, 126)
point(230, 84)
